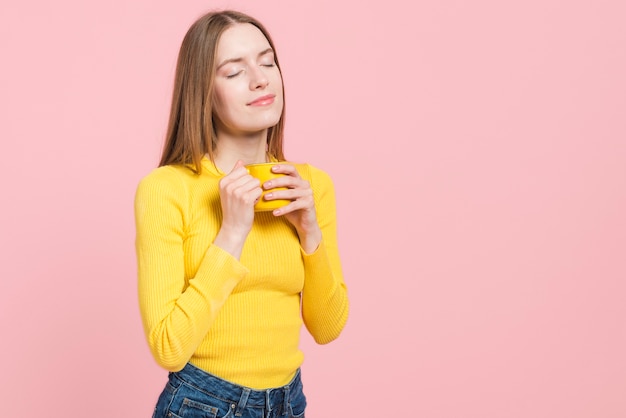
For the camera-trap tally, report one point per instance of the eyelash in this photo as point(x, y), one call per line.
point(239, 72)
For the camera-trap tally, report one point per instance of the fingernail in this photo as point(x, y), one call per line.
point(268, 185)
point(276, 167)
point(269, 195)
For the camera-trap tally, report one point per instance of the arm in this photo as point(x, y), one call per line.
point(176, 318)
point(324, 297)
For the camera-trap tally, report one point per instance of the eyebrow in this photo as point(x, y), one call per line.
point(228, 61)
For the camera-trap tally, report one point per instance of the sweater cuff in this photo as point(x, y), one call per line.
point(317, 266)
point(218, 275)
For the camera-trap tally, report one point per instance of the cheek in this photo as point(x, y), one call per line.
point(281, 97)
point(217, 109)
point(227, 98)
point(278, 80)
point(281, 101)
point(220, 104)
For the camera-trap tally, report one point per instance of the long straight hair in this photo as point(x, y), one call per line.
point(191, 130)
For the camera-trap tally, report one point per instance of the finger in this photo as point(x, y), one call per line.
point(287, 181)
point(239, 171)
point(238, 164)
point(252, 196)
point(289, 194)
point(285, 169)
point(291, 207)
point(243, 184)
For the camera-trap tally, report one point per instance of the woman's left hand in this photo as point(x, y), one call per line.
point(301, 211)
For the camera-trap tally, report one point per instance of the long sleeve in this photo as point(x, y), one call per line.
point(177, 307)
point(239, 319)
point(325, 303)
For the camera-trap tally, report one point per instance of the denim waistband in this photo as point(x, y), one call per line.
point(240, 396)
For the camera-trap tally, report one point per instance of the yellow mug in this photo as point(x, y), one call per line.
point(263, 172)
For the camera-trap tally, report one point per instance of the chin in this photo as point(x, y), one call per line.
point(268, 123)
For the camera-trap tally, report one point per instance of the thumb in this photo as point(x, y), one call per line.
point(238, 164)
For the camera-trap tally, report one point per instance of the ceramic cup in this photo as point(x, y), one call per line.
point(263, 172)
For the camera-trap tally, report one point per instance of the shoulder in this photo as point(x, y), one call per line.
point(160, 177)
point(166, 181)
point(318, 178)
point(322, 186)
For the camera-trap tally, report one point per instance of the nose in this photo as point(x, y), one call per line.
point(258, 79)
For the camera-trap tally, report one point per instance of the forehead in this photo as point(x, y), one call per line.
point(240, 40)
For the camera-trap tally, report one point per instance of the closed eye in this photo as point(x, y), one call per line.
point(233, 75)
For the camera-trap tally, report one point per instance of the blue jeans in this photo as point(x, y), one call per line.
point(194, 393)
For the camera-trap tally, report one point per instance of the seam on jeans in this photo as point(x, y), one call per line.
point(206, 392)
point(200, 405)
point(169, 405)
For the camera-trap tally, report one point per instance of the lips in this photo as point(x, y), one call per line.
point(263, 100)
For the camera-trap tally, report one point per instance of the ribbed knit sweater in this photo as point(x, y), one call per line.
point(237, 319)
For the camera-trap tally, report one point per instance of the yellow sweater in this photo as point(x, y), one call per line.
point(236, 319)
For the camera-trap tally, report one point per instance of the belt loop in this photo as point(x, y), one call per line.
point(242, 402)
point(285, 399)
point(268, 401)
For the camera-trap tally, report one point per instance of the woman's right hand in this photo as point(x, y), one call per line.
point(239, 191)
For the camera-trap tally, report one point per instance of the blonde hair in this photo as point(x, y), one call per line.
point(191, 130)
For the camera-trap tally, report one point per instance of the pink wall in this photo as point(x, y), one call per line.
point(479, 153)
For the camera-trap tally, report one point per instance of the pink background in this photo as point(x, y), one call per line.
point(479, 154)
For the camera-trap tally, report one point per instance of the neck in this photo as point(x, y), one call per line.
point(230, 148)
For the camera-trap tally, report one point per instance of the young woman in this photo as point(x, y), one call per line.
point(224, 290)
